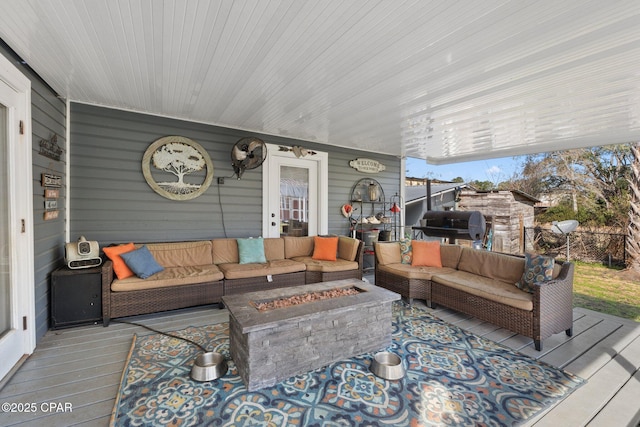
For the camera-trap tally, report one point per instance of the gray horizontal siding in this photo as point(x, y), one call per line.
point(48, 114)
point(112, 203)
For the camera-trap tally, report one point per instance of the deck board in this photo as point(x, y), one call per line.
point(624, 408)
point(584, 404)
point(98, 374)
point(576, 346)
point(83, 366)
point(601, 353)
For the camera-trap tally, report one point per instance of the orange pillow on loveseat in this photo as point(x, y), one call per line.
point(426, 254)
point(119, 266)
point(325, 248)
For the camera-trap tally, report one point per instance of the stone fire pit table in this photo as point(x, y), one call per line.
point(270, 346)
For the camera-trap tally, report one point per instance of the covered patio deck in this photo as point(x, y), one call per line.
point(82, 367)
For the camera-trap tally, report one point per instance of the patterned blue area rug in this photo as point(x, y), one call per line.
point(453, 378)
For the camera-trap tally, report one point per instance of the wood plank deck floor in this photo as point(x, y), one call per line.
point(82, 367)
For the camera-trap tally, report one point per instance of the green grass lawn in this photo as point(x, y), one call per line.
point(606, 290)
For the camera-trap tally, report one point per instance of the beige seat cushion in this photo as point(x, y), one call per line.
point(502, 267)
point(327, 266)
point(556, 270)
point(450, 255)
point(298, 246)
point(180, 254)
point(387, 252)
point(491, 289)
point(244, 271)
point(348, 248)
point(273, 248)
point(225, 251)
point(414, 272)
point(170, 276)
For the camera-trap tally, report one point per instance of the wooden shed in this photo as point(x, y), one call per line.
point(509, 212)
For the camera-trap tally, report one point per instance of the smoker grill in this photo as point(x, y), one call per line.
point(466, 225)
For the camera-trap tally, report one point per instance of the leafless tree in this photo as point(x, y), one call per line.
point(591, 178)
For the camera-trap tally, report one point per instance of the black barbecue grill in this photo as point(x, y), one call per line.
point(466, 225)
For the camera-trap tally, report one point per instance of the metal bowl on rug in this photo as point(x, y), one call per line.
point(208, 366)
point(387, 365)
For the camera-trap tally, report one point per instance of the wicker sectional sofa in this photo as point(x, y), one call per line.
point(482, 284)
point(201, 272)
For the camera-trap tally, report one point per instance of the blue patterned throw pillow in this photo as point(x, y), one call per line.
point(406, 251)
point(537, 269)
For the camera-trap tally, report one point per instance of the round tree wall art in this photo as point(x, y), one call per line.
point(177, 168)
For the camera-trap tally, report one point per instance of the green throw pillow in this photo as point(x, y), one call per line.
point(251, 250)
point(537, 269)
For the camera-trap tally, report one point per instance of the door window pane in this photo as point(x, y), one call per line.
point(5, 252)
point(294, 201)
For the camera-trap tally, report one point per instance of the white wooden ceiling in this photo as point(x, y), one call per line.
point(442, 80)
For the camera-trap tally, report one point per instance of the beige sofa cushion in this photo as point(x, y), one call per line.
point(327, 266)
point(244, 271)
point(170, 276)
point(180, 254)
point(491, 289)
point(450, 255)
point(273, 248)
point(348, 248)
point(506, 268)
point(298, 246)
point(225, 251)
point(387, 252)
point(414, 272)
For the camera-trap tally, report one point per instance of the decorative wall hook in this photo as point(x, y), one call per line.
point(297, 150)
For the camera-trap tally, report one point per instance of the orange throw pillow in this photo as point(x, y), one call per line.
point(119, 266)
point(325, 248)
point(426, 254)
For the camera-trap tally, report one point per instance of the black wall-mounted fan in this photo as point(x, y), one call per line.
point(248, 153)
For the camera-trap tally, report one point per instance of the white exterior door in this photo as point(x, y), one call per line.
point(294, 194)
point(17, 312)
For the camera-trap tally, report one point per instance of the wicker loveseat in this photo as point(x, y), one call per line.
point(482, 284)
point(201, 272)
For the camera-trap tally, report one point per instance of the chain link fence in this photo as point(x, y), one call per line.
point(594, 247)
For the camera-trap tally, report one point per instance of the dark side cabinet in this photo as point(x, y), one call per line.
point(76, 297)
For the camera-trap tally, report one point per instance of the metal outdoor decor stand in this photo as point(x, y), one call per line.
point(396, 202)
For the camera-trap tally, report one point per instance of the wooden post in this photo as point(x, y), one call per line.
point(521, 220)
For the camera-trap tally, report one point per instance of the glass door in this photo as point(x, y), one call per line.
point(294, 194)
